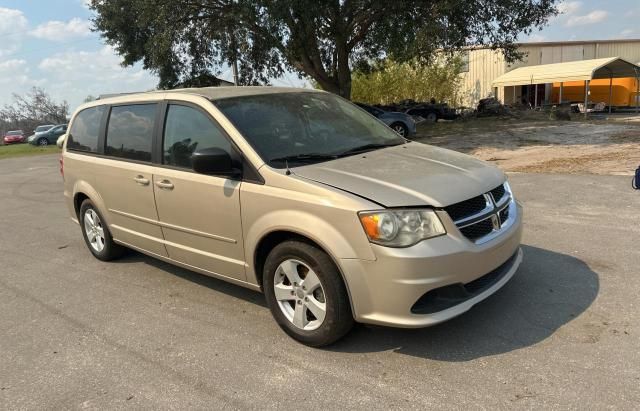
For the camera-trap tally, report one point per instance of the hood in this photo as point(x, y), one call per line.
point(411, 174)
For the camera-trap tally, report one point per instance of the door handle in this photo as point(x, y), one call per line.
point(141, 180)
point(165, 184)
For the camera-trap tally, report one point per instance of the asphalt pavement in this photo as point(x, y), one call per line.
point(138, 333)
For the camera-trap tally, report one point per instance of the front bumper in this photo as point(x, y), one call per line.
point(388, 290)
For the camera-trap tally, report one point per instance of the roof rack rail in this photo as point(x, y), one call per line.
point(108, 95)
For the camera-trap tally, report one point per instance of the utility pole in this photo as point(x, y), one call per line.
point(234, 59)
point(234, 68)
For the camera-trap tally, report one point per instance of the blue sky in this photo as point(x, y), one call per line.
point(48, 43)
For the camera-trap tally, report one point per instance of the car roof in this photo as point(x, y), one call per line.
point(212, 93)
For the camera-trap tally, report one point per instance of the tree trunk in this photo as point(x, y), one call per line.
point(340, 86)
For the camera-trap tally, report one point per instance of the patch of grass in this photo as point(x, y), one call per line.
point(20, 150)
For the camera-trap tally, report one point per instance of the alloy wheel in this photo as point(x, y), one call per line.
point(399, 129)
point(300, 294)
point(94, 230)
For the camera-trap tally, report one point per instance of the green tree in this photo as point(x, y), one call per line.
point(390, 82)
point(32, 109)
point(322, 39)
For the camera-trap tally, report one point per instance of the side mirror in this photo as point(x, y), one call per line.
point(60, 141)
point(213, 161)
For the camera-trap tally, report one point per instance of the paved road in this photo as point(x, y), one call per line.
point(76, 332)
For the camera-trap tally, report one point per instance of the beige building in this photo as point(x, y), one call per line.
point(485, 65)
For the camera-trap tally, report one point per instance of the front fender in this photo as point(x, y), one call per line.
point(306, 224)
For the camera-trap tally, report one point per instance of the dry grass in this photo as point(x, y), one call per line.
point(534, 144)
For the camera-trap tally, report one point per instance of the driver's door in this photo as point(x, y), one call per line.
point(199, 214)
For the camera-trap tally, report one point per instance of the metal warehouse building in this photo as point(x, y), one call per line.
point(483, 66)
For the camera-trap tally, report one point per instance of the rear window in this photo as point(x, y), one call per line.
point(130, 131)
point(14, 133)
point(85, 130)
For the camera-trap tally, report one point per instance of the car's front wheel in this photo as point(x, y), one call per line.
point(43, 142)
point(306, 294)
point(96, 233)
point(400, 128)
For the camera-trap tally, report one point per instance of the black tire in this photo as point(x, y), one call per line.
point(338, 319)
point(431, 117)
point(400, 128)
point(43, 142)
point(111, 250)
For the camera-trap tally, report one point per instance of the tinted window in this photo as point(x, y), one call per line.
point(85, 130)
point(187, 130)
point(130, 131)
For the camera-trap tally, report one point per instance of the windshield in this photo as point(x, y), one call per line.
point(294, 128)
point(14, 133)
point(42, 128)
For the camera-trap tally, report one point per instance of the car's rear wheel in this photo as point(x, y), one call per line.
point(306, 294)
point(43, 142)
point(96, 233)
point(400, 128)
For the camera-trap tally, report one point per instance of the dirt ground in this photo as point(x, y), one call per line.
point(542, 146)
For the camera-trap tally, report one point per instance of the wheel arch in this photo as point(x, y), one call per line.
point(271, 239)
point(83, 190)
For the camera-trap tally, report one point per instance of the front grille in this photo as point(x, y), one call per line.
point(478, 230)
point(498, 193)
point(478, 211)
point(504, 215)
point(466, 208)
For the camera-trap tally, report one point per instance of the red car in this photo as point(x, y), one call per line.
point(12, 137)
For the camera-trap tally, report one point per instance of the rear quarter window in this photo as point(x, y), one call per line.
point(85, 130)
point(130, 132)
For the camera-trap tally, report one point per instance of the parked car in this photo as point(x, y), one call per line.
point(295, 193)
point(39, 130)
point(13, 137)
point(48, 137)
point(401, 123)
point(432, 112)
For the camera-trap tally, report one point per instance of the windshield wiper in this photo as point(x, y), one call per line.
point(305, 157)
point(366, 147)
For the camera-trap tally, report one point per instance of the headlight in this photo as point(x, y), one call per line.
point(400, 228)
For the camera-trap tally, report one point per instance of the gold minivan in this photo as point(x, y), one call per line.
point(298, 194)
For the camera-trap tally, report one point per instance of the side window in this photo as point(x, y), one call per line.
point(85, 130)
point(187, 130)
point(130, 131)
